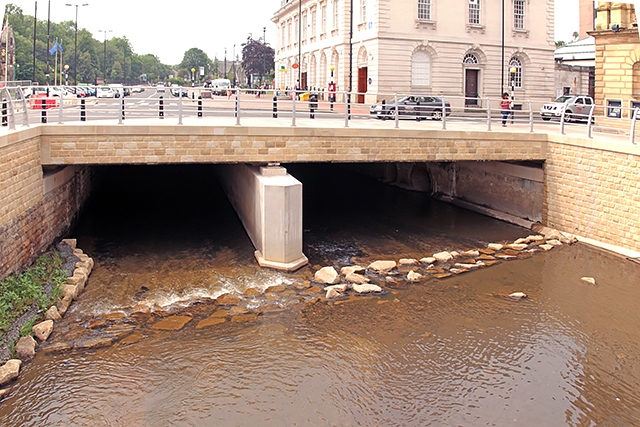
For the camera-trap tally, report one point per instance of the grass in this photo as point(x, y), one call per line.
point(19, 292)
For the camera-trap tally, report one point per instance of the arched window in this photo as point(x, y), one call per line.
point(420, 69)
point(515, 73)
point(470, 58)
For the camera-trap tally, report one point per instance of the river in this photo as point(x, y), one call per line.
point(447, 352)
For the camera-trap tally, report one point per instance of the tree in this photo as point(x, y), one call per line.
point(195, 58)
point(257, 57)
point(576, 35)
point(560, 44)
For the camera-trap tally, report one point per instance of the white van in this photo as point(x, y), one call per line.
point(220, 86)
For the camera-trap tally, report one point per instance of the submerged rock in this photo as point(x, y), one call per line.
point(517, 296)
point(227, 299)
point(173, 323)
point(589, 280)
point(211, 321)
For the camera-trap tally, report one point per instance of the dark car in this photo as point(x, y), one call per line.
point(412, 106)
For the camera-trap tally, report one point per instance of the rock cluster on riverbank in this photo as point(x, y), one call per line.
point(78, 266)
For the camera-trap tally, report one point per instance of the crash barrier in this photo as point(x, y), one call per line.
point(432, 112)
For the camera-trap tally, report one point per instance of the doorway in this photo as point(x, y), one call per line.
point(362, 83)
point(303, 80)
point(471, 87)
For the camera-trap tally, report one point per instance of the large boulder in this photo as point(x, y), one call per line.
point(327, 275)
point(43, 329)
point(382, 267)
point(10, 371)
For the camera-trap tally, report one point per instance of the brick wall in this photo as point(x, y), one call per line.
point(593, 190)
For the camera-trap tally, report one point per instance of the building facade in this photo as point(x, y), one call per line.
point(441, 47)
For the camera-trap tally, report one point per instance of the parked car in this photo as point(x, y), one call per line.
point(179, 91)
point(577, 108)
point(137, 89)
point(105, 92)
point(413, 106)
point(160, 87)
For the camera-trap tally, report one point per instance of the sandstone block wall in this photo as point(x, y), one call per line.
point(592, 189)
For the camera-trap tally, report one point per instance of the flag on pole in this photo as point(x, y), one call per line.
point(54, 49)
point(60, 47)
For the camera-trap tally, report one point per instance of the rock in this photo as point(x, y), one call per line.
point(589, 280)
point(332, 293)
point(304, 284)
point(471, 254)
point(356, 278)
point(70, 290)
point(72, 243)
point(172, 323)
point(489, 263)
point(554, 242)
point(244, 317)
point(511, 252)
point(43, 329)
point(58, 347)
point(520, 241)
point(466, 266)
point(93, 343)
point(517, 296)
point(442, 275)
point(119, 331)
point(327, 275)
point(406, 262)
point(96, 323)
point(10, 371)
point(211, 321)
point(311, 290)
point(132, 339)
point(345, 271)
point(276, 289)
point(252, 292)
point(428, 260)
point(365, 289)
point(443, 256)
point(454, 254)
point(4, 392)
point(227, 299)
point(518, 246)
point(338, 288)
point(495, 246)
point(52, 313)
point(26, 348)
point(382, 267)
point(143, 307)
point(458, 270)
point(63, 305)
point(546, 247)
point(413, 276)
point(506, 257)
point(116, 315)
point(534, 238)
point(238, 310)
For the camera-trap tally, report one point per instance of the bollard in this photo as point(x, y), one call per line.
point(44, 111)
point(313, 105)
point(193, 95)
point(122, 108)
point(83, 111)
point(5, 117)
point(418, 111)
point(349, 106)
point(200, 106)
point(161, 107)
point(275, 107)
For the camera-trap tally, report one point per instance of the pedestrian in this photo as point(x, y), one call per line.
point(505, 107)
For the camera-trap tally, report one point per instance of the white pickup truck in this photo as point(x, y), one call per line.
point(576, 107)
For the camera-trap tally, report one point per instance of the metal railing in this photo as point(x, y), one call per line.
point(290, 107)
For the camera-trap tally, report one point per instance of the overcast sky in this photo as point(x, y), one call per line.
point(169, 29)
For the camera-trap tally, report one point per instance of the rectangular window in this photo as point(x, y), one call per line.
point(518, 14)
point(424, 10)
point(324, 19)
point(335, 14)
point(363, 11)
point(295, 29)
point(289, 33)
point(304, 26)
point(313, 23)
point(474, 12)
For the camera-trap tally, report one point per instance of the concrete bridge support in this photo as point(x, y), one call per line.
point(269, 203)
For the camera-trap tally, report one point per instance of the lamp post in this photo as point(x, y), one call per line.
point(225, 63)
point(193, 77)
point(502, 63)
point(66, 75)
point(299, 84)
point(75, 47)
point(104, 58)
point(512, 72)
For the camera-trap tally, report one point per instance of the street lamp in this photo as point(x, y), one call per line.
point(225, 63)
point(512, 72)
point(193, 77)
point(66, 75)
point(104, 60)
point(75, 48)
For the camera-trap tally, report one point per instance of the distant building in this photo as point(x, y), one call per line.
point(7, 54)
point(417, 46)
point(575, 68)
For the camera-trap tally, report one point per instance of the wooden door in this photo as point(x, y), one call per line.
point(471, 87)
point(303, 81)
point(362, 83)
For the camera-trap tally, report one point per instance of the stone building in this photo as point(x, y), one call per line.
point(575, 68)
point(7, 54)
point(448, 47)
point(617, 57)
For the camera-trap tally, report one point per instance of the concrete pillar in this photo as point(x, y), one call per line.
point(269, 203)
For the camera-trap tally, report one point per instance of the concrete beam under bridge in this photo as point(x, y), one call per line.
point(269, 203)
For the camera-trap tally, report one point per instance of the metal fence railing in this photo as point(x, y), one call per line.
point(64, 105)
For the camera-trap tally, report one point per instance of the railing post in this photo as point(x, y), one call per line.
point(25, 116)
point(275, 106)
point(530, 117)
point(43, 113)
point(161, 107)
point(396, 116)
point(488, 114)
point(444, 115)
point(633, 126)
point(60, 108)
point(293, 107)
point(83, 110)
point(180, 108)
point(346, 110)
point(200, 106)
point(564, 109)
point(238, 107)
point(590, 122)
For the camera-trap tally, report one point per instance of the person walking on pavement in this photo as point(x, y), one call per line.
point(505, 107)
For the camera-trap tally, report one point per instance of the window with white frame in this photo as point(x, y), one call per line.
point(289, 32)
point(304, 26)
point(515, 73)
point(363, 11)
point(474, 12)
point(323, 17)
point(424, 10)
point(313, 23)
point(335, 14)
point(282, 34)
point(295, 29)
point(420, 69)
point(518, 14)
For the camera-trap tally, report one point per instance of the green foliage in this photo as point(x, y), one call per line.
point(26, 329)
point(20, 291)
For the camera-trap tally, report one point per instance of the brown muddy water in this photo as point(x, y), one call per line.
point(441, 352)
